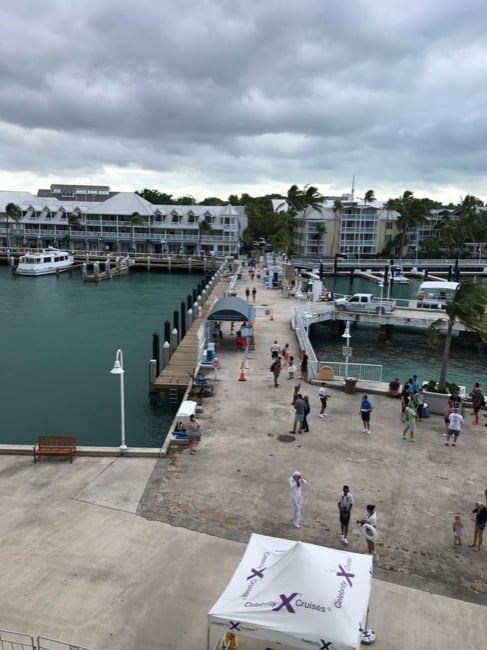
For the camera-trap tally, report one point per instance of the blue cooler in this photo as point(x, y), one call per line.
point(209, 355)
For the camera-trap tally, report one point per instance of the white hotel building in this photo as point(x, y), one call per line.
point(79, 217)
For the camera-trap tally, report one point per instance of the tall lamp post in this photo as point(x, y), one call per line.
point(119, 370)
point(347, 350)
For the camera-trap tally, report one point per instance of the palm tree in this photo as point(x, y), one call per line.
point(412, 213)
point(73, 222)
point(466, 307)
point(337, 209)
point(204, 228)
point(13, 212)
point(319, 234)
point(369, 197)
point(135, 220)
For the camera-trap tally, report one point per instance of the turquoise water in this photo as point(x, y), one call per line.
point(59, 337)
point(407, 353)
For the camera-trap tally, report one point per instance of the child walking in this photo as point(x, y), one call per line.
point(457, 526)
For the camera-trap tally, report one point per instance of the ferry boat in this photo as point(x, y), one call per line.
point(435, 295)
point(44, 262)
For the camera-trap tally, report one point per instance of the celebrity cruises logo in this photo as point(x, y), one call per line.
point(345, 573)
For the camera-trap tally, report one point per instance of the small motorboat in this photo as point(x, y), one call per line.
point(44, 262)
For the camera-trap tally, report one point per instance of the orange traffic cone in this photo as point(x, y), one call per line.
point(242, 373)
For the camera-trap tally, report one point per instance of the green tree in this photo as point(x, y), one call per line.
point(156, 197)
point(369, 197)
point(73, 222)
point(204, 228)
point(319, 234)
point(337, 210)
point(412, 213)
point(135, 219)
point(466, 307)
point(12, 212)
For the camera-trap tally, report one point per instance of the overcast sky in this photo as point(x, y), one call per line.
point(212, 97)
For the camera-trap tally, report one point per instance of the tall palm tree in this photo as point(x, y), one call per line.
point(204, 228)
point(369, 197)
point(337, 210)
point(135, 219)
point(73, 222)
point(13, 212)
point(319, 234)
point(467, 307)
point(412, 213)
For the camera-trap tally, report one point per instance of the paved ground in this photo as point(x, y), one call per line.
point(130, 554)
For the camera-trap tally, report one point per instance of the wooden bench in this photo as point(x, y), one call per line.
point(55, 446)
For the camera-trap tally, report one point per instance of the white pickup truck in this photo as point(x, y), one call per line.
point(365, 302)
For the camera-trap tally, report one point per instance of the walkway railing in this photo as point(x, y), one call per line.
point(18, 641)
point(364, 371)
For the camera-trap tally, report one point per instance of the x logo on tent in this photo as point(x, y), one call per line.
point(345, 574)
point(286, 602)
point(325, 645)
point(256, 573)
point(235, 625)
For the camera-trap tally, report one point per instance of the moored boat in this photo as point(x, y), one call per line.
point(44, 262)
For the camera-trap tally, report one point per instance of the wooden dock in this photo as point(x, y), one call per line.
point(177, 375)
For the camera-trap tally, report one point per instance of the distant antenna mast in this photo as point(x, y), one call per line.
point(353, 187)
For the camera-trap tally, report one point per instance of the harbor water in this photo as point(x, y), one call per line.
point(407, 352)
point(59, 338)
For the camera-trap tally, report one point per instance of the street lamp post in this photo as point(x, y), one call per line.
point(118, 369)
point(347, 350)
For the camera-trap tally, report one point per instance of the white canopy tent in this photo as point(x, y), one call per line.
point(297, 594)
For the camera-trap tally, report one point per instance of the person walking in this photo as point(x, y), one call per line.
point(477, 401)
point(254, 294)
point(365, 411)
point(454, 427)
point(247, 293)
point(457, 527)
point(304, 366)
point(323, 395)
point(275, 350)
point(276, 370)
point(193, 431)
point(307, 410)
point(419, 400)
point(299, 409)
point(296, 483)
point(345, 504)
point(480, 513)
point(291, 369)
point(410, 420)
point(370, 522)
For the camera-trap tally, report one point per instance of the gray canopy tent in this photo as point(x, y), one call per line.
point(232, 309)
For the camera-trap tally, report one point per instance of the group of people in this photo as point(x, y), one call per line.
point(282, 357)
point(368, 522)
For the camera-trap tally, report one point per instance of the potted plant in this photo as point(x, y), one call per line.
point(436, 397)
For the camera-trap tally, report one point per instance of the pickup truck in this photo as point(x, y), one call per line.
point(365, 302)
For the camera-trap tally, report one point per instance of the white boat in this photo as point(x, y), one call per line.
point(435, 295)
point(44, 262)
point(398, 276)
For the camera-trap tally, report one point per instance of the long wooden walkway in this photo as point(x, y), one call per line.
point(180, 369)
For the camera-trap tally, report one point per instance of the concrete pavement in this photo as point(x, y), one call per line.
point(131, 553)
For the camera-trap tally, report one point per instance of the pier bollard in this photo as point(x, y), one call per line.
point(96, 270)
point(152, 371)
point(166, 353)
point(175, 320)
point(167, 330)
point(190, 317)
point(174, 339)
point(148, 263)
point(85, 272)
point(203, 296)
point(155, 350)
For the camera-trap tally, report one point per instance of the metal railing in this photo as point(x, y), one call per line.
point(363, 371)
point(18, 641)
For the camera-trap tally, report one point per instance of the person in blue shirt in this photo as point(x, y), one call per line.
point(365, 411)
point(414, 385)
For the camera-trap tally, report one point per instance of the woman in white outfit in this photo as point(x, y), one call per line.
point(296, 482)
point(370, 520)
